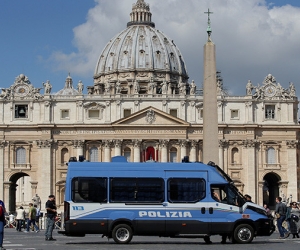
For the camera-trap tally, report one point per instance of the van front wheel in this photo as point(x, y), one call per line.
point(122, 234)
point(243, 233)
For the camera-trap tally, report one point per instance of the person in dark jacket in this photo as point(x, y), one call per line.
point(281, 210)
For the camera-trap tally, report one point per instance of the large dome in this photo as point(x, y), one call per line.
point(140, 53)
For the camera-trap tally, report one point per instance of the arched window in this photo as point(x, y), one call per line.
point(94, 154)
point(127, 154)
point(21, 156)
point(64, 156)
point(271, 157)
point(235, 156)
point(173, 155)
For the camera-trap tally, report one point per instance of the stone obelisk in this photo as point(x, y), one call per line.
point(210, 111)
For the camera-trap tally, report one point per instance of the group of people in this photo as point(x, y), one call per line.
point(291, 215)
point(33, 218)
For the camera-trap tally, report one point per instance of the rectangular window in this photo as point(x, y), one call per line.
point(137, 190)
point(234, 114)
point(173, 112)
point(186, 190)
point(127, 112)
point(94, 114)
point(65, 114)
point(89, 189)
point(270, 112)
point(21, 111)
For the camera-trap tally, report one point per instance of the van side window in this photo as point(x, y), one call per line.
point(89, 189)
point(137, 190)
point(186, 190)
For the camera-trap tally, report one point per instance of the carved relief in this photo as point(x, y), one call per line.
point(292, 144)
point(150, 116)
point(250, 143)
point(164, 143)
point(223, 143)
point(44, 143)
point(272, 90)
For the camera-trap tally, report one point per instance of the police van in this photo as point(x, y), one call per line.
point(120, 199)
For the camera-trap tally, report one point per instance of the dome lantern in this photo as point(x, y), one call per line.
point(140, 14)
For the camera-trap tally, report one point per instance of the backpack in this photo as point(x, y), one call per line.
point(1, 211)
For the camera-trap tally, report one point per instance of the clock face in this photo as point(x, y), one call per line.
point(270, 91)
point(21, 90)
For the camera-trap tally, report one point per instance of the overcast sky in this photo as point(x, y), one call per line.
point(47, 39)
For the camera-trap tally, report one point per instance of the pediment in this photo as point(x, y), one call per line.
point(150, 116)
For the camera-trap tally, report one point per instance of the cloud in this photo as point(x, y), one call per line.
point(253, 39)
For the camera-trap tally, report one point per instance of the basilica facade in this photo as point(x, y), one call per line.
point(142, 106)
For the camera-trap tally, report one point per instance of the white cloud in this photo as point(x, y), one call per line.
point(252, 39)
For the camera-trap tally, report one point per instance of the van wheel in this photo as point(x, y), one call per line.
point(122, 234)
point(243, 233)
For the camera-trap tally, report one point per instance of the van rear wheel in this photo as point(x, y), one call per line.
point(243, 233)
point(122, 234)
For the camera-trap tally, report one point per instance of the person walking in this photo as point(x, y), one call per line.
point(294, 220)
point(31, 219)
point(2, 223)
point(280, 209)
point(20, 218)
point(51, 214)
point(37, 217)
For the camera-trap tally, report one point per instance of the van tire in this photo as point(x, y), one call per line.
point(122, 234)
point(243, 234)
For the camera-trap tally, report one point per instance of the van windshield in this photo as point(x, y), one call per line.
point(227, 194)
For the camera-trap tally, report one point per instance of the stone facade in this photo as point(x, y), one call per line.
point(258, 133)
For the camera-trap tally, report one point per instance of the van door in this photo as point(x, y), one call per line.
point(185, 211)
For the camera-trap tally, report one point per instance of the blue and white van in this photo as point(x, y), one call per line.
point(120, 199)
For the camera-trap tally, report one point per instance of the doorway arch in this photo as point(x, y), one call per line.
point(271, 189)
point(12, 190)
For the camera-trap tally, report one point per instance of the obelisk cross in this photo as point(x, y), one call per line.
point(209, 30)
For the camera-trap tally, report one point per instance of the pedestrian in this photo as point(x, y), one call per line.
point(2, 223)
point(280, 211)
point(31, 219)
point(267, 209)
point(51, 214)
point(20, 218)
point(37, 217)
point(248, 198)
point(288, 216)
point(294, 220)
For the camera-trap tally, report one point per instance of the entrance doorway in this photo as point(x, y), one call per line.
point(150, 154)
point(271, 189)
point(19, 191)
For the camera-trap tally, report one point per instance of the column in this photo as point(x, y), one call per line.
point(251, 174)
point(2, 158)
point(260, 194)
point(193, 156)
point(107, 112)
point(164, 150)
point(137, 150)
point(107, 155)
point(156, 152)
point(249, 112)
point(183, 145)
point(223, 144)
point(47, 105)
point(79, 111)
point(7, 198)
point(78, 144)
point(118, 147)
point(33, 188)
point(292, 168)
point(45, 174)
